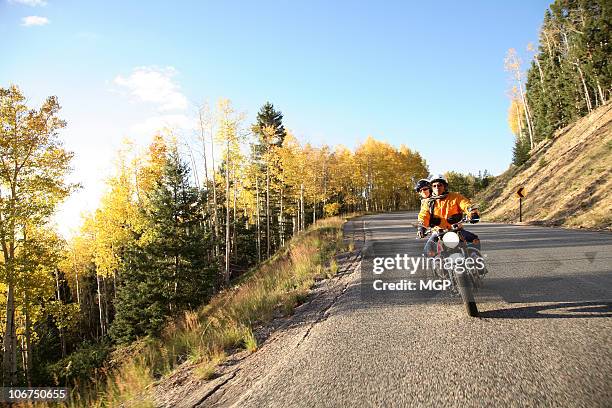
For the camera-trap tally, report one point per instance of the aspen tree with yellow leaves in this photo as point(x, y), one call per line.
point(229, 137)
point(512, 64)
point(33, 169)
point(292, 161)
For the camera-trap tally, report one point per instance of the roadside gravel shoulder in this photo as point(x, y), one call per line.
point(242, 371)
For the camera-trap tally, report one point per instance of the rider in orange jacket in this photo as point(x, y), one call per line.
point(442, 210)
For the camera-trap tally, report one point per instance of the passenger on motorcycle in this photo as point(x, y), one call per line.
point(423, 187)
point(443, 209)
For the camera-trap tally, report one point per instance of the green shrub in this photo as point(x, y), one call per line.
point(81, 364)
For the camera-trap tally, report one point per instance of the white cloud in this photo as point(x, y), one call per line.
point(31, 3)
point(154, 85)
point(157, 123)
point(30, 21)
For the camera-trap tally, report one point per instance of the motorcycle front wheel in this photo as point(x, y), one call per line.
point(464, 285)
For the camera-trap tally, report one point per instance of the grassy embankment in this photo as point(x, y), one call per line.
point(205, 337)
point(567, 179)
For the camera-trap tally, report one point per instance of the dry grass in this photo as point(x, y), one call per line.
point(125, 386)
point(206, 369)
point(225, 324)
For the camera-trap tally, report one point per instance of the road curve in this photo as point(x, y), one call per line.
point(544, 339)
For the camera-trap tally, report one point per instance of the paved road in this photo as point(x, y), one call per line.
point(545, 338)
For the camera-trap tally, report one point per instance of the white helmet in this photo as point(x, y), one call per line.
point(440, 178)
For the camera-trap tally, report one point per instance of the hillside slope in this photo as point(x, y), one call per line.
point(567, 180)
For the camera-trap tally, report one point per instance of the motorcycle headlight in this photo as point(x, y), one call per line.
point(451, 239)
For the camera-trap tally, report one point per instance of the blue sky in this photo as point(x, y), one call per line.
point(426, 74)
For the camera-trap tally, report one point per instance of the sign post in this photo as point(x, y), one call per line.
point(520, 193)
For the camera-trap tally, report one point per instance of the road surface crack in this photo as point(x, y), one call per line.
point(324, 313)
point(217, 387)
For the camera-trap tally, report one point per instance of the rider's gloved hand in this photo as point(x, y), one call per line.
point(474, 218)
point(421, 232)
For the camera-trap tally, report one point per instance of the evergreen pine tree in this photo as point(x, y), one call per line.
point(520, 152)
point(166, 270)
point(270, 134)
point(268, 116)
point(573, 58)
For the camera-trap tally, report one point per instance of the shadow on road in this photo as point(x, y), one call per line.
point(574, 287)
point(574, 310)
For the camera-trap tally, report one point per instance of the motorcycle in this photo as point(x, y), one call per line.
point(452, 251)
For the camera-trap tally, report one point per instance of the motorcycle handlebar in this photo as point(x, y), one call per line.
point(454, 227)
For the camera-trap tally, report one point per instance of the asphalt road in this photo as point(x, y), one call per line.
point(544, 338)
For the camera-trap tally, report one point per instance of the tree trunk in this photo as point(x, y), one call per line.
point(550, 53)
point(28, 340)
point(520, 122)
point(234, 243)
point(227, 215)
point(214, 185)
point(267, 211)
point(203, 137)
point(76, 279)
point(258, 224)
point(602, 98)
point(324, 186)
point(196, 178)
point(535, 57)
point(102, 331)
point(175, 275)
point(527, 115)
point(106, 312)
point(302, 207)
point(586, 89)
point(246, 216)
point(9, 358)
point(114, 284)
point(61, 330)
point(296, 228)
point(281, 227)
point(205, 182)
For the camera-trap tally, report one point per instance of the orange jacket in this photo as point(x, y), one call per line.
point(452, 204)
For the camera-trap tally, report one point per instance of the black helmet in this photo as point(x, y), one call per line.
point(440, 179)
point(420, 184)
